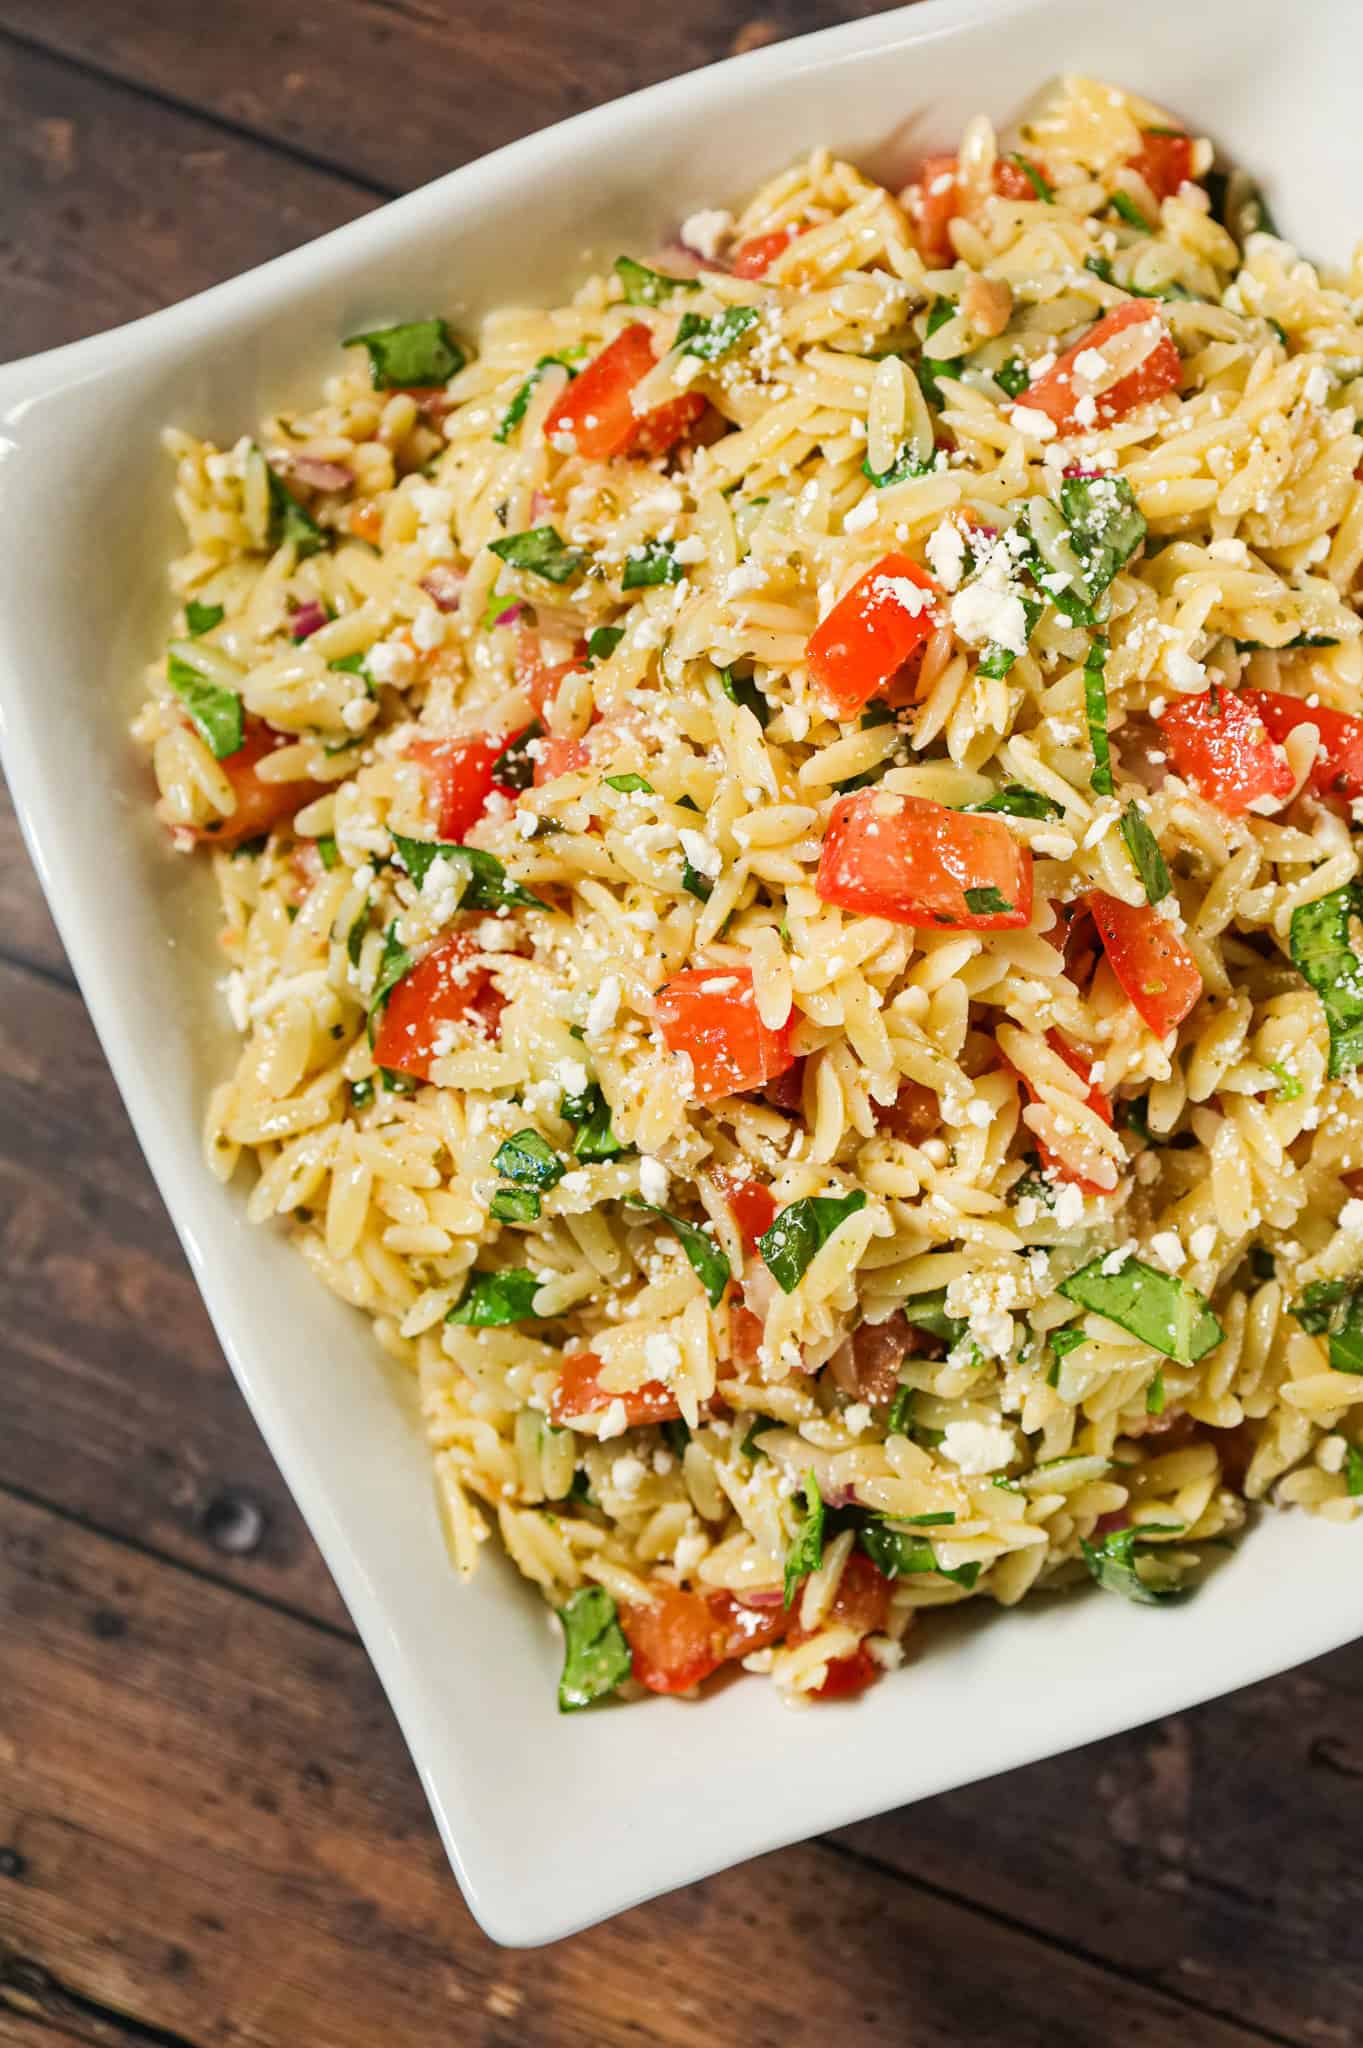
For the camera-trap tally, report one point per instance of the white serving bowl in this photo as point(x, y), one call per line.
point(552, 1822)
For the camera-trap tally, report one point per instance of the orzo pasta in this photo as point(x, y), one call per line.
point(786, 841)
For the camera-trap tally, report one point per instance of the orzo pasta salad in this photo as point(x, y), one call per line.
point(786, 835)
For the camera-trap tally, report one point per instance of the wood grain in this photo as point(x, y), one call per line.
point(212, 1818)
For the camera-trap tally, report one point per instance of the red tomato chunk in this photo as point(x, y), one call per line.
point(1164, 161)
point(753, 257)
point(1221, 744)
point(1338, 766)
point(861, 1603)
point(744, 1629)
point(579, 1392)
point(848, 1676)
point(937, 199)
point(444, 987)
point(871, 632)
point(1155, 971)
point(539, 678)
point(711, 1013)
point(1097, 1100)
point(596, 410)
point(1058, 396)
point(260, 805)
point(460, 773)
point(676, 1642)
point(915, 862)
point(752, 1202)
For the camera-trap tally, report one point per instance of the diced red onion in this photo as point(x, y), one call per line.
point(509, 616)
point(1088, 476)
point(321, 476)
point(680, 258)
point(307, 619)
point(443, 586)
point(539, 506)
point(1107, 1525)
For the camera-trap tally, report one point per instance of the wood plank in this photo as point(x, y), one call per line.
point(211, 1824)
point(117, 1403)
point(27, 932)
point(327, 77)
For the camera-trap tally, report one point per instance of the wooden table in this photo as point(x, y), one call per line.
point(209, 1830)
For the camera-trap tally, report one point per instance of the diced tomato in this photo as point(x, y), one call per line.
point(579, 1392)
point(1338, 768)
point(861, 1603)
point(711, 1013)
point(555, 757)
point(461, 777)
point(752, 258)
point(540, 678)
point(787, 1091)
point(916, 862)
point(1012, 182)
point(1056, 395)
point(676, 1642)
point(444, 987)
point(1097, 1099)
point(1164, 161)
point(1157, 974)
point(752, 1202)
point(914, 1114)
point(848, 1676)
point(934, 201)
point(260, 805)
point(596, 410)
point(866, 1365)
point(872, 630)
point(745, 1337)
point(743, 1629)
point(1222, 745)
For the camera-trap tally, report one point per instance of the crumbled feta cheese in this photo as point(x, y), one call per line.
point(653, 1178)
point(688, 550)
point(628, 1473)
point(571, 1076)
point(1069, 1206)
point(981, 615)
point(902, 590)
point(390, 661)
point(945, 551)
point(703, 857)
point(662, 1355)
point(601, 1011)
point(1203, 1241)
point(1168, 1249)
point(1183, 672)
point(614, 1422)
point(1331, 1452)
point(857, 1417)
point(862, 514)
point(707, 231)
point(1035, 425)
point(1086, 410)
point(1317, 386)
point(976, 1447)
point(428, 628)
point(234, 989)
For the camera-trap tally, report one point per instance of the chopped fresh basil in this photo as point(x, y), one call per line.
point(805, 1553)
point(1013, 377)
point(901, 1408)
point(520, 403)
point(1323, 954)
point(1262, 1263)
point(202, 618)
point(1106, 528)
point(288, 520)
point(1154, 1394)
point(488, 886)
point(906, 464)
point(1095, 704)
point(1016, 802)
point(1147, 859)
point(1100, 267)
point(1126, 208)
point(1115, 1561)
point(1288, 646)
point(750, 1447)
point(711, 339)
point(491, 1299)
point(929, 1312)
point(931, 369)
point(362, 1092)
point(654, 562)
point(743, 690)
point(327, 851)
point(354, 938)
point(529, 1160)
point(988, 902)
point(1353, 1470)
point(1134, 1114)
point(678, 1436)
point(799, 1230)
point(215, 713)
point(353, 665)
point(629, 785)
point(696, 884)
point(602, 643)
point(1156, 1307)
point(645, 287)
point(411, 356)
point(1289, 1087)
point(596, 1656)
point(514, 767)
point(394, 962)
point(898, 1554)
point(590, 1112)
point(539, 551)
point(707, 1260)
point(515, 1205)
point(1334, 1309)
point(395, 1083)
point(495, 611)
point(1040, 185)
point(941, 1521)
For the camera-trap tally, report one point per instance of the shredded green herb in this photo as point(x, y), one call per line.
point(655, 562)
point(602, 643)
point(214, 712)
point(590, 1112)
point(1016, 802)
point(488, 886)
point(1040, 185)
point(1146, 857)
point(514, 767)
point(520, 403)
point(1115, 1561)
point(743, 690)
point(711, 339)
point(202, 618)
point(327, 851)
point(1323, 953)
point(799, 1231)
point(540, 551)
point(515, 1205)
point(288, 520)
point(1095, 705)
point(1126, 208)
point(805, 1553)
point(707, 1260)
point(596, 1656)
point(415, 355)
point(987, 902)
point(529, 1160)
point(629, 785)
point(645, 287)
point(897, 1553)
point(1333, 1309)
point(490, 1300)
point(1156, 1307)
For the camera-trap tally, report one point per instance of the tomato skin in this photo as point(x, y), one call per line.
point(541, 679)
point(754, 257)
point(934, 200)
point(914, 1114)
point(1055, 395)
point(848, 1676)
point(752, 1202)
point(1097, 1100)
point(260, 805)
point(856, 650)
point(1154, 968)
point(711, 1013)
point(912, 861)
point(443, 988)
point(1222, 745)
point(579, 1392)
point(1164, 161)
point(555, 757)
point(1338, 767)
point(595, 409)
point(460, 772)
point(676, 1642)
point(744, 1629)
point(861, 1603)
point(746, 1332)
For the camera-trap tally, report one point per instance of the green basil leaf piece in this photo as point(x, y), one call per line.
point(901, 1408)
point(1095, 705)
point(1040, 185)
point(1334, 1309)
point(490, 1300)
point(654, 562)
point(590, 1112)
point(362, 1092)
point(645, 287)
point(411, 356)
point(743, 690)
point(897, 1553)
point(1106, 528)
point(1125, 207)
point(1146, 857)
point(529, 1160)
point(394, 962)
point(712, 339)
point(596, 1656)
point(520, 403)
point(707, 1260)
point(488, 886)
point(514, 767)
point(1323, 953)
point(202, 618)
point(539, 551)
point(215, 713)
point(1016, 802)
point(929, 1312)
point(1013, 377)
point(602, 643)
point(515, 1205)
point(1156, 1307)
point(799, 1230)
point(288, 520)
point(905, 465)
point(988, 902)
point(805, 1553)
point(629, 785)
point(696, 884)
point(1353, 1470)
point(1114, 1560)
point(1154, 1394)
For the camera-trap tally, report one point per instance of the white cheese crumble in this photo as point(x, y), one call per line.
point(945, 551)
point(976, 1447)
point(980, 614)
point(703, 857)
point(653, 1178)
point(1035, 425)
point(707, 231)
point(604, 1004)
